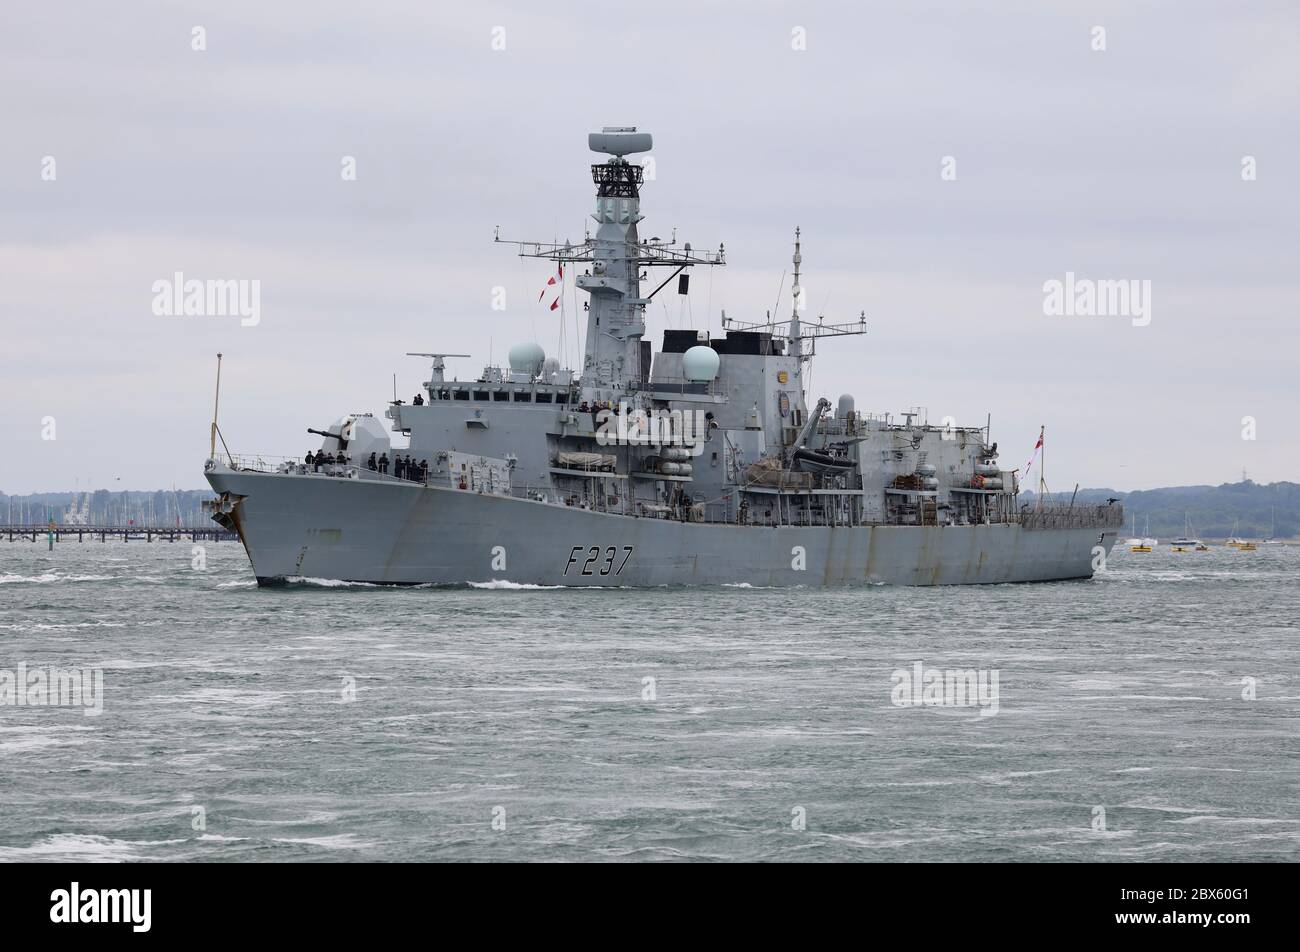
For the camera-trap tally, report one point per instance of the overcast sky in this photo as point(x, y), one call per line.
point(1122, 163)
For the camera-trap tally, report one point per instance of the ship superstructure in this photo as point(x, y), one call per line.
point(701, 463)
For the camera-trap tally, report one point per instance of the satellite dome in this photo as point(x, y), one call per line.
point(527, 358)
point(700, 363)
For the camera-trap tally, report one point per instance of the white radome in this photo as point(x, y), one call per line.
point(700, 363)
point(527, 358)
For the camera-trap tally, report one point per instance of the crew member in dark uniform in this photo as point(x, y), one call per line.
point(383, 464)
point(371, 464)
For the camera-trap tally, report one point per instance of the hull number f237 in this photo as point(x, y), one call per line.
point(594, 560)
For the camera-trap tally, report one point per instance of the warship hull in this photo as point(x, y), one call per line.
point(400, 533)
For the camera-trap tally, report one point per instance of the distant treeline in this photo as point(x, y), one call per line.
point(1212, 509)
point(102, 507)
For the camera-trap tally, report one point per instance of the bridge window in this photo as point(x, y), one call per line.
point(460, 394)
point(481, 395)
point(544, 396)
point(500, 395)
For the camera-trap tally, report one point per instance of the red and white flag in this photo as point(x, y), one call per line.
point(557, 278)
point(1037, 446)
point(555, 304)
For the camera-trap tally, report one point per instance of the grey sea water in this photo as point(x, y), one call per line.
point(518, 723)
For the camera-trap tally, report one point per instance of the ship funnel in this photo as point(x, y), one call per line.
point(619, 140)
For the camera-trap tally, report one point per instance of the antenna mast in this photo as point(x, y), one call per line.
point(616, 256)
point(216, 403)
point(795, 332)
point(796, 335)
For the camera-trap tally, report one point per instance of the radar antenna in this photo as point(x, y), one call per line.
point(796, 331)
point(438, 365)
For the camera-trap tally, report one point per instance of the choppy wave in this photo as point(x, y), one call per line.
point(339, 841)
point(504, 585)
point(55, 626)
point(79, 848)
point(313, 582)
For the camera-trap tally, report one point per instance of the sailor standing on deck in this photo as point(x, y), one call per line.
point(383, 464)
point(371, 464)
point(399, 468)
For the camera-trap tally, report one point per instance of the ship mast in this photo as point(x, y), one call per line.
point(796, 336)
point(794, 330)
point(612, 357)
point(216, 404)
point(616, 312)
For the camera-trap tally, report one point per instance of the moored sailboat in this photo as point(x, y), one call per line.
point(1187, 542)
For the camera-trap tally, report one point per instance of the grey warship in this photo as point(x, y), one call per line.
point(701, 464)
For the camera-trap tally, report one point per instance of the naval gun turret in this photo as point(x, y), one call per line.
point(338, 437)
point(357, 434)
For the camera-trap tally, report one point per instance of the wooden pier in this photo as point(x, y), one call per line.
point(41, 533)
